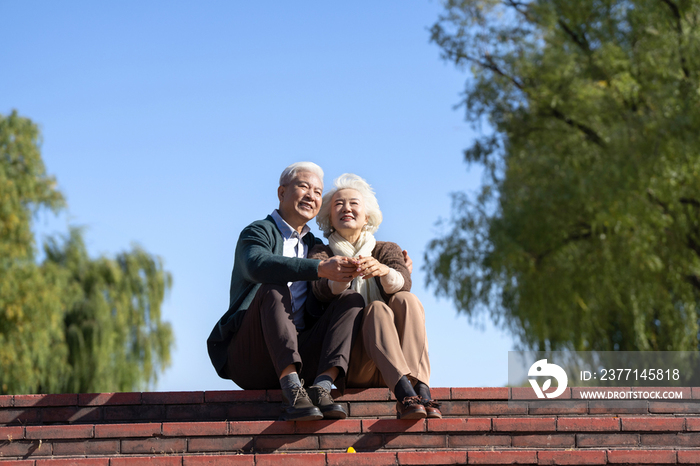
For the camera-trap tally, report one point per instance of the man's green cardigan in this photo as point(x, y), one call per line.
point(258, 259)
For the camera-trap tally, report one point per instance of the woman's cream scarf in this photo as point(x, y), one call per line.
point(363, 247)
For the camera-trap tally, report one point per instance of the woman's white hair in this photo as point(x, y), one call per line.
point(291, 171)
point(350, 181)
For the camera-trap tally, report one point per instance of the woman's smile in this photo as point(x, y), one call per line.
point(348, 214)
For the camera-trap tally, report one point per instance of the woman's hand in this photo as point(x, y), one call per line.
point(339, 269)
point(370, 267)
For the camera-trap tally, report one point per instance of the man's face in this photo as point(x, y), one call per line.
point(300, 200)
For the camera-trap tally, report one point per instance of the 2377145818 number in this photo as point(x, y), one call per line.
point(636, 374)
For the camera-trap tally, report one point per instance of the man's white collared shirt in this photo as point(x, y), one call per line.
point(293, 246)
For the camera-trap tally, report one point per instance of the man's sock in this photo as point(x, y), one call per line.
point(403, 389)
point(289, 382)
point(423, 390)
point(324, 381)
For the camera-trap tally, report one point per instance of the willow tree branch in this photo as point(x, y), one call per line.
point(675, 11)
point(589, 132)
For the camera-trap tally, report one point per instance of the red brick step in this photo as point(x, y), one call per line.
point(481, 426)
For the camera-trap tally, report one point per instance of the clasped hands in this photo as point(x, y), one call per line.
point(344, 269)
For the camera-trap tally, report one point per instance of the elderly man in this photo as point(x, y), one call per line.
point(274, 329)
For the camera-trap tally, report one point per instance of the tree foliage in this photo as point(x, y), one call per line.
point(69, 323)
point(586, 231)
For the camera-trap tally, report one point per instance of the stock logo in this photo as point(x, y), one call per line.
point(544, 369)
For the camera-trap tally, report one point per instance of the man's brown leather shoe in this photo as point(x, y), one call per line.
point(322, 399)
point(300, 408)
point(410, 408)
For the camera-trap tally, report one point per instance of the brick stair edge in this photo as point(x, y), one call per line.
point(369, 394)
point(392, 458)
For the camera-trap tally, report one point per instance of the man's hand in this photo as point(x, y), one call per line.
point(409, 262)
point(338, 269)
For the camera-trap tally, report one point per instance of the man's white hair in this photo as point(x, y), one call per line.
point(350, 181)
point(291, 171)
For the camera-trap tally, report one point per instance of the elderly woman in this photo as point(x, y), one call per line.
point(392, 349)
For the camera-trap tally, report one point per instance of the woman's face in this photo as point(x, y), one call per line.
point(348, 213)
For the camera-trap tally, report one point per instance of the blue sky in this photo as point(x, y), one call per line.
point(167, 124)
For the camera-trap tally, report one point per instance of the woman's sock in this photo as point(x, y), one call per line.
point(403, 389)
point(423, 390)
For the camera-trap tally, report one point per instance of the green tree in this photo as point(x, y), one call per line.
point(69, 323)
point(585, 233)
